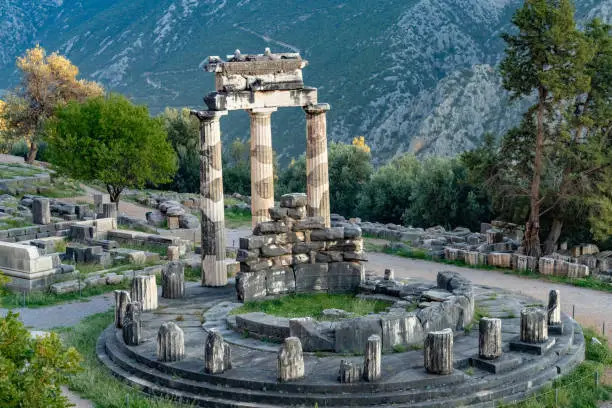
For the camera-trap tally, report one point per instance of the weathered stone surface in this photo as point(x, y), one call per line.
point(270, 227)
point(132, 335)
point(41, 213)
point(437, 295)
point(577, 271)
point(311, 334)
point(352, 335)
point(290, 361)
point(217, 354)
point(272, 250)
point(524, 262)
point(352, 232)
point(489, 338)
point(263, 325)
point(144, 291)
point(534, 327)
point(251, 285)
point(438, 352)
point(109, 210)
point(400, 329)
point(173, 253)
point(500, 259)
point(311, 277)
point(389, 274)
point(256, 241)
point(494, 236)
point(372, 361)
point(122, 298)
point(344, 277)
point(309, 223)
point(327, 234)
point(349, 372)
point(66, 287)
point(173, 280)
point(547, 266)
point(170, 343)
point(307, 247)
point(280, 281)
point(554, 307)
point(293, 200)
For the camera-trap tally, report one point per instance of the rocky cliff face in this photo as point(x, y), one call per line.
point(410, 75)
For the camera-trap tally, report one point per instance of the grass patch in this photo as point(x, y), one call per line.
point(8, 223)
point(95, 382)
point(235, 218)
point(192, 274)
point(312, 305)
point(35, 299)
point(399, 348)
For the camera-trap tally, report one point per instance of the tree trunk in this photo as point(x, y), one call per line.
point(114, 193)
point(553, 236)
point(31, 156)
point(531, 242)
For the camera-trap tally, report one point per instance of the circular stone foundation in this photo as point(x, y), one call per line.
point(251, 382)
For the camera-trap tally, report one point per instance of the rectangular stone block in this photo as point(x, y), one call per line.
point(352, 335)
point(577, 270)
point(327, 234)
point(561, 267)
point(251, 285)
point(546, 266)
point(500, 260)
point(280, 281)
point(524, 262)
point(219, 101)
point(471, 257)
point(256, 241)
point(311, 277)
point(401, 329)
point(41, 213)
point(345, 277)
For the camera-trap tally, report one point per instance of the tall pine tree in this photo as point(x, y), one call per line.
point(547, 56)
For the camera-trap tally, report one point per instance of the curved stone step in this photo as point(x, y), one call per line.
point(155, 381)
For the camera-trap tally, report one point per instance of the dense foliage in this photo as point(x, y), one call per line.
point(111, 141)
point(47, 82)
point(32, 369)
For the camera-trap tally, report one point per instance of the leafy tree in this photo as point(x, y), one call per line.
point(387, 195)
point(547, 55)
point(111, 141)
point(442, 195)
point(184, 135)
point(237, 168)
point(350, 170)
point(47, 81)
point(32, 369)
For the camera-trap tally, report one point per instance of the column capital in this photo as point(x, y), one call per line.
point(208, 115)
point(262, 111)
point(316, 109)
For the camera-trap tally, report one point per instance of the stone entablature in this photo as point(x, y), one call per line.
point(294, 253)
point(447, 305)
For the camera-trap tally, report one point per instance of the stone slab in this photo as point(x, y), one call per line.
point(532, 348)
point(501, 365)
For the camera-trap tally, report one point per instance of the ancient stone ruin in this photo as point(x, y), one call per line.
point(259, 84)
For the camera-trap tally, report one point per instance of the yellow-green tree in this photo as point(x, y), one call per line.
point(47, 81)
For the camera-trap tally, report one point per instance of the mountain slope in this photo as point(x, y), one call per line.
point(410, 75)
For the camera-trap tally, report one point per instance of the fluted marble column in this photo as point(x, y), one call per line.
point(317, 184)
point(262, 168)
point(211, 199)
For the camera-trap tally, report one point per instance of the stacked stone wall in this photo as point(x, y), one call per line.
point(294, 253)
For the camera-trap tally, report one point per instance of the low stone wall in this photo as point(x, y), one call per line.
point(20, 185)
point(294, 253)
point(142, 238)
point(448, 304)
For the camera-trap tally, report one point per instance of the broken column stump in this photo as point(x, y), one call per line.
point(555, 325)
point(349, 372)
point(41, 211)
point(290, 362)
point(438, 353)
point(122, 298)
point(534, 328)
point(170, 342)
point(373, 359)
point(173, 253)
point(109, 210)
point(217, 354)
point(144, 290)
point(489, 338)
point(534, 332)
point(132, 334)
point(173, 280)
